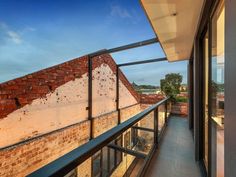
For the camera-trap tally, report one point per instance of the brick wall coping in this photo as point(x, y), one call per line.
point(105, 114)
point(115, 111)
point(40, 136)
point(129, 106)
point(16, 93)
point(57, 130)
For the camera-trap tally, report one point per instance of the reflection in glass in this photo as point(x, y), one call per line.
point(161, 117)
point(218, 60)
point(217, 90)
point(112, 159)
point(127, 140)
point(118, 153)
point(105, 162)
point(97, 164)
point(206, 74)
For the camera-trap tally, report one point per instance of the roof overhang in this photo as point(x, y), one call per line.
point(175, 23)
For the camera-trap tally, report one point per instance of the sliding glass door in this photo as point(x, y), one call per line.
point(217, 90)
point(205, 98)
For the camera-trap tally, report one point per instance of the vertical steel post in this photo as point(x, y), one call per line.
point(166, 103)
point(156, 126)
point(117, 93)
point(90, 92)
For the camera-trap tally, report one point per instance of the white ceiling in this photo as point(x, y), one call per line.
point(175, 22)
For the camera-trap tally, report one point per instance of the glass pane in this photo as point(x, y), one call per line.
point(105, 162)
point(111, 159)
point(124, 161)
point(127, 140)
point(206, 75)
point(97, 164)
point(161, 117)
point(134, 136)
point(118, 153)
point(218, 62)
point(72, 173)
point(168, 108)
point(217, 89)
point(145, 135)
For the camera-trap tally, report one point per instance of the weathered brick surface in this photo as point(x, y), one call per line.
point(149, 118)
point(22, 91)
point(84, 169)
point(107, 59)
point(180, 109)
point(150, 98)
point(128, 112)
point(25, 158)
point(19, 92)
point(104, 122)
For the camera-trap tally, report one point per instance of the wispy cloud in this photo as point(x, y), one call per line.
point(3, 25)
point(8, 33)
point(119, 11)
point(15, 37)
point(30, 29)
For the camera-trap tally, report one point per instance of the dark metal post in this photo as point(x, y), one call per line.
point(90, 92)
point(190, 92)
point(143, 62)
point(156, 126)
point(166, 113)
point(126, 47)
point(117, 93)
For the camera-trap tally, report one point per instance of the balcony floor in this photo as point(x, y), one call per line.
point(175, 157)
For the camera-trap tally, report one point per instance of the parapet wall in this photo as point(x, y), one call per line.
point(150, 98)
point(27, 157)
point(57, 97)
point(44, 115)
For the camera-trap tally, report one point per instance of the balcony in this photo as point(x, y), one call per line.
point(119, 136)
point(161, 145)
point(84, 118)
point(175, 155)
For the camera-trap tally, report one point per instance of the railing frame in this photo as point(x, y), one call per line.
point(71, 160)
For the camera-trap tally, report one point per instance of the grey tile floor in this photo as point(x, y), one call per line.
point(175, 157)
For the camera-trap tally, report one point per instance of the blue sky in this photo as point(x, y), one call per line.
point(35, 34)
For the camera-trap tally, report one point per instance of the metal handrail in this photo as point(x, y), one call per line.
point(71, 160)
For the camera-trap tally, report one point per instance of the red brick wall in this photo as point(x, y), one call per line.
point(104, 122)
point(19, 92)
point(107, 59)
point(26, 158)
point(126, 113)
point(150, 98)
point(180, 109)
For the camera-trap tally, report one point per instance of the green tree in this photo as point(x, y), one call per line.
point(171, 85)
